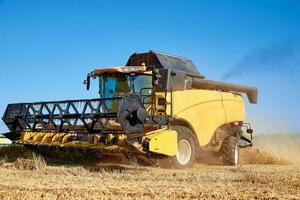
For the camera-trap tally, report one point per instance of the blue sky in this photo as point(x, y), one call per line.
point(47, 47)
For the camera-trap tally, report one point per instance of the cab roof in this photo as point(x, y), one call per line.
point(163, 60)
point(122, 69)
point(153, 59)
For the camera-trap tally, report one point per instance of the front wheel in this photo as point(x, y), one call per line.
point(186, 150)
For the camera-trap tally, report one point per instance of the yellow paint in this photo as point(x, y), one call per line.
point(109, 137)
point(159, 95)
point(42, 136)
point(66, 138)
point(26, 136)
point(207, 110)
point(163, 141)
point(121, 139)
point(58, 137)
point(38, 137)
point(166, 96)
point(48, 137)
point(233, 106)
point(97, 139)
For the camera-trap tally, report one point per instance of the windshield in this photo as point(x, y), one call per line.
point(119, 84)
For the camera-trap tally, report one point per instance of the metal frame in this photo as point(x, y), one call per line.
point(60, 115)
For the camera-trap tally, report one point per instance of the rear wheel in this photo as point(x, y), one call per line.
point(230, 151)
point(186, 150)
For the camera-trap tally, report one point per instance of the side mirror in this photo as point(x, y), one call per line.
point(87, 82)
point(249, 130)
point(155, 77)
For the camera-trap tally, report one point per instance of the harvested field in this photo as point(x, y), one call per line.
point(124, 182)
point(263, 175)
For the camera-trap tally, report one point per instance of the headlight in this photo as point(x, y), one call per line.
point(129, 69)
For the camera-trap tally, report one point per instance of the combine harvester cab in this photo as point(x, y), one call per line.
point(158, 106)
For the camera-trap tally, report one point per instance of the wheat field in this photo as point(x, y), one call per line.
point(262, 175)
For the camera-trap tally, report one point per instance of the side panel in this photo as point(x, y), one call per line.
point(163, 142)
point(234, 107)
point(203, 109)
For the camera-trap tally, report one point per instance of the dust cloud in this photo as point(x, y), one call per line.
point(273, 149)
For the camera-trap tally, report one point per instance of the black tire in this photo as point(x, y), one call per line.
point(230, 151)
point(186, 137)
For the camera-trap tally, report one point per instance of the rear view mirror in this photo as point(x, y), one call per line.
point(87, 82)
point(155, 77)
point(249, 130)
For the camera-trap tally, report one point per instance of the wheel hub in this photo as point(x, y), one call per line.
point(184, 152)
point(236, 154)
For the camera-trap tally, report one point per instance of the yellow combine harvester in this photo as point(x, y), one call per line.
point(158, 106)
